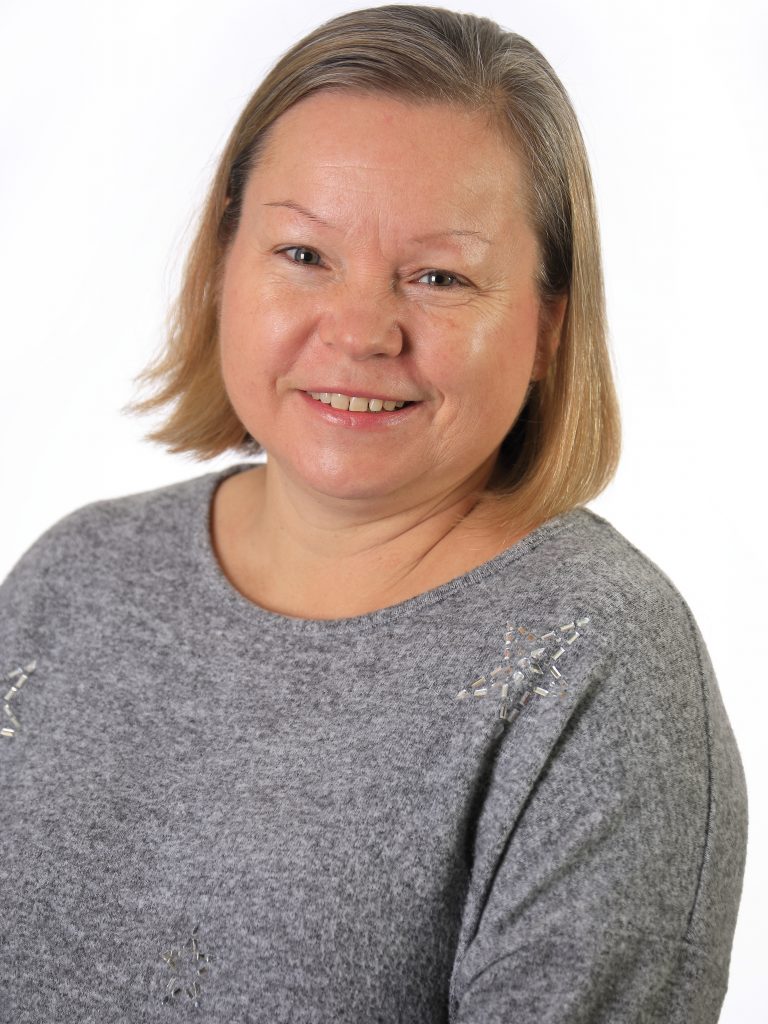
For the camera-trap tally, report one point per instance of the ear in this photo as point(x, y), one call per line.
point(551, 319)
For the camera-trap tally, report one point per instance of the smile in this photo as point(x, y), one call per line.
point(353, 403)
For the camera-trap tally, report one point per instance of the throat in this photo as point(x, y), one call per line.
point(304, 575)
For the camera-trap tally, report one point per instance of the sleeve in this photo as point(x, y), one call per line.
point(37, 580)
point(19, 598)
point(614, 896)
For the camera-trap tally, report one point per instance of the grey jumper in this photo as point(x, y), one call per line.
point(515, 798)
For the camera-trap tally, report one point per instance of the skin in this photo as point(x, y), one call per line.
point(342, 521)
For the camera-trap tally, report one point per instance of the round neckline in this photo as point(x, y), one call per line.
point(225, 591)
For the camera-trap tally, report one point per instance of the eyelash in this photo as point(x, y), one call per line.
point(456, 281)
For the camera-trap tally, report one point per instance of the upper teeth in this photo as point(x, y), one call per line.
point(353, 404)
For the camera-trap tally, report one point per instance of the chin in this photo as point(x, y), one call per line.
point(345, 481)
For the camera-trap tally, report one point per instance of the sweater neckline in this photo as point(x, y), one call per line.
point(228, 596)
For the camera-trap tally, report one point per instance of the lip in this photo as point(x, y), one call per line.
point(365, 421)
point(356, 393)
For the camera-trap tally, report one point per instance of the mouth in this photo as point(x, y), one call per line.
point(358, 403)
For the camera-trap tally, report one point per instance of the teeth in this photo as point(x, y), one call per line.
point(353, 403)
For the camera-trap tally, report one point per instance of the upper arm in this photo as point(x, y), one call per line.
point(615, 891)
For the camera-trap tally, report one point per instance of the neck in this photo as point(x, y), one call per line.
point(315, 556)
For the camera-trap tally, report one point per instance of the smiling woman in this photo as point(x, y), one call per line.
point(562, 443)
point(383, 727)
point(400, 267)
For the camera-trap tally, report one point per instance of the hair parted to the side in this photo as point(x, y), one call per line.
point(564, 446)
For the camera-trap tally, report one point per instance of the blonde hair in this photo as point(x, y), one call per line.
point(564, 446)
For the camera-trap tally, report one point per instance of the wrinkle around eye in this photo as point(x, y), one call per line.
point(455, 279)
point(301, 248)
point(456, 288)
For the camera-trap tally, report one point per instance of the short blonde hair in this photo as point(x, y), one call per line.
point(563, 448)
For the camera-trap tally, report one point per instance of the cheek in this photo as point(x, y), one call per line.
point(494, 349)
point(260, 327)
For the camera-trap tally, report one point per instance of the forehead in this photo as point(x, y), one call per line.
point(437, 157)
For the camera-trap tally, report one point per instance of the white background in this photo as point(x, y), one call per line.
point(111, 119)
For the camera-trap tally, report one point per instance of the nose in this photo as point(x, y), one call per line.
point(361, 324)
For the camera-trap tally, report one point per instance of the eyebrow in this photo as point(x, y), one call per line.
point(450, 232)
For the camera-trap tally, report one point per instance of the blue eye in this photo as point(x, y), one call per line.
point(301, 254)
point(439, 278)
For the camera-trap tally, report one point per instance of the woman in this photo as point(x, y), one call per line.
point(389, 727)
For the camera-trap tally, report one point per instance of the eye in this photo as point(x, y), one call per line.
point(301, 254)
point(440, 279)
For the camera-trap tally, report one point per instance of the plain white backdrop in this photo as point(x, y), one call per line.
point(112, 116)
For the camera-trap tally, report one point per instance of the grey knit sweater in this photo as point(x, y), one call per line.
point(513, 798)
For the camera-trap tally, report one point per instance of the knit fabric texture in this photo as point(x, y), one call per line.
point(515, 797)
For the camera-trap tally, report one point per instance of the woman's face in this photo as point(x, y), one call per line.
point(382, 253)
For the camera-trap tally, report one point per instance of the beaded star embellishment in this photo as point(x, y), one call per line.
point(19, 676)
point(527, 667)
point(186, 965)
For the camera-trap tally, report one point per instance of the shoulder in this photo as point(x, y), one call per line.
point(643, 682)
point(650, 724)
point(598, 556)
point(646, 703)
point(579, 564)
point(104, 532)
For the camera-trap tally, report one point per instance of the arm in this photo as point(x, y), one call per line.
point(615, 891)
